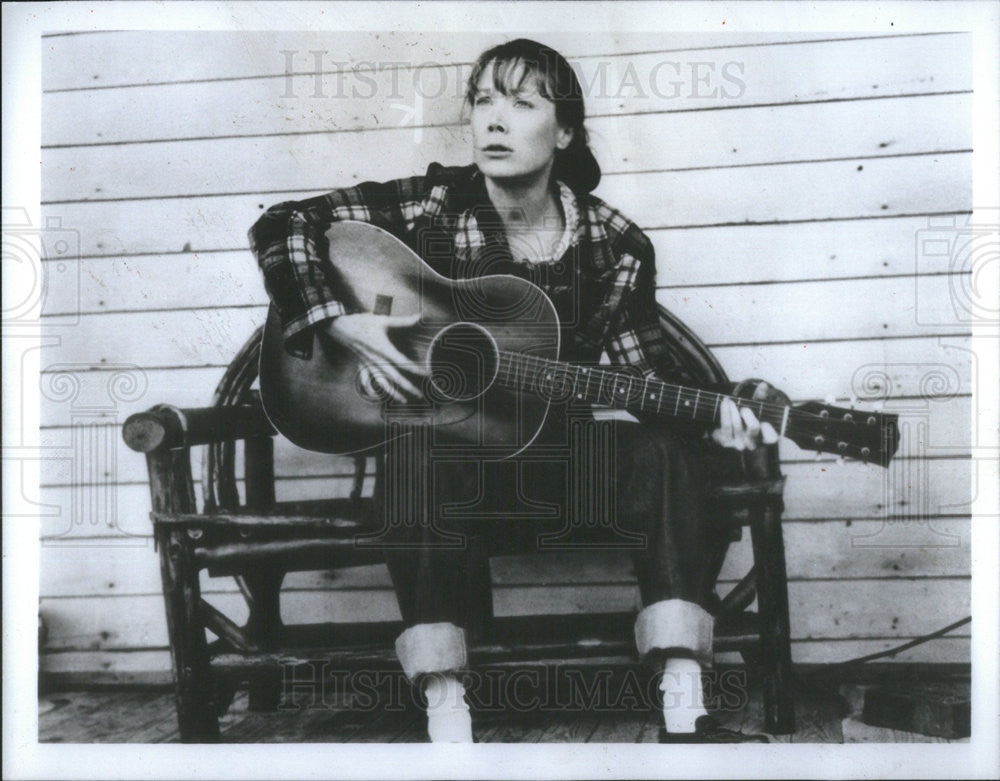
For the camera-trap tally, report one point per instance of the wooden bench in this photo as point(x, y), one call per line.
point(257, 541)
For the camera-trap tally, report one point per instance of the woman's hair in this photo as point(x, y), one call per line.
point(556, 81)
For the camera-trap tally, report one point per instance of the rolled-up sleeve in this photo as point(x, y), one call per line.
point(289, 242)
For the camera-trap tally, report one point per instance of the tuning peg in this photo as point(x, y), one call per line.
point(865, 452)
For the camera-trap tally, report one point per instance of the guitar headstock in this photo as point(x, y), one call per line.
point(865, 436)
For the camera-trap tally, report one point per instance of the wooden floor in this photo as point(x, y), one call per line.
point(826, 713)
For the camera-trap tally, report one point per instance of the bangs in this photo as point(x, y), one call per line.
point(512, 74)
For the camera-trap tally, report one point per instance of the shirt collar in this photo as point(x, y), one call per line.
point(571, 218)
point(477, 196)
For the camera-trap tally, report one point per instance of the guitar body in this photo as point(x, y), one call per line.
point(322, 401)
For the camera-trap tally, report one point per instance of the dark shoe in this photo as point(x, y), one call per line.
point(708, 730)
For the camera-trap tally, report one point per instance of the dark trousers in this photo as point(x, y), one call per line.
point(582, 485)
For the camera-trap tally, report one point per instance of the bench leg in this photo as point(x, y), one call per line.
point(264, 628)
point(775, 633)
point(194, 692)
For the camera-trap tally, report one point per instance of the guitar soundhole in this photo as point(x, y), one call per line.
point(463, 361)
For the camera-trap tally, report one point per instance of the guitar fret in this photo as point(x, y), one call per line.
point(532, 374)
point(501, 374)
point(694, 412)
point(540, 374)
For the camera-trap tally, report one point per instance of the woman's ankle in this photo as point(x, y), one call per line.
point(448, 718)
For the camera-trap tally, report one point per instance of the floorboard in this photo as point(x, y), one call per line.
point(825, 713)
point(511, 728)
point(650, 732)
point(620, 727)
point(572, 727)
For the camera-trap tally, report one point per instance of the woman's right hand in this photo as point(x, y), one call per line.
point(382, 364)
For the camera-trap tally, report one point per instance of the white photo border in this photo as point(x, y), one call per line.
point(23, 25)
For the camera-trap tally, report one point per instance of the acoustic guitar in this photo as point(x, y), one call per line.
point(490, 348)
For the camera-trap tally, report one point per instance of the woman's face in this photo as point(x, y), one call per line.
point(514, 136)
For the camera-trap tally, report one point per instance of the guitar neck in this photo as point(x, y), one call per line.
point(645, 396)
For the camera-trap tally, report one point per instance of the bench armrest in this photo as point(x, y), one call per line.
point(164, 427)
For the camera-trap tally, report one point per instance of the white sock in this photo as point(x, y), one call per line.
point(448, 719)
point(683, 699)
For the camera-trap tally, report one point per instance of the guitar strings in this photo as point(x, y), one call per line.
point(535, 366)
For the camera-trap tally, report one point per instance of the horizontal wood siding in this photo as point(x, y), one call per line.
point(787, 213)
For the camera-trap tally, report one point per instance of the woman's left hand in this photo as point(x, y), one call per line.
point(738, 427)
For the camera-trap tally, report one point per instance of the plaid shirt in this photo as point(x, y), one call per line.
point(601, 279)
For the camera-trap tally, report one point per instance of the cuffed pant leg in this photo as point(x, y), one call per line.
point(674, 627)
point(424, 649)
point(429, 577)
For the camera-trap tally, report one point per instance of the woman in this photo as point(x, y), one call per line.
point(525, 208)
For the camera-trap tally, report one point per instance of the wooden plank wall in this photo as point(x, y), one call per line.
point(788, 183)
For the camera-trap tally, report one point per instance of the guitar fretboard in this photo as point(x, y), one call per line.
point(620, 390)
